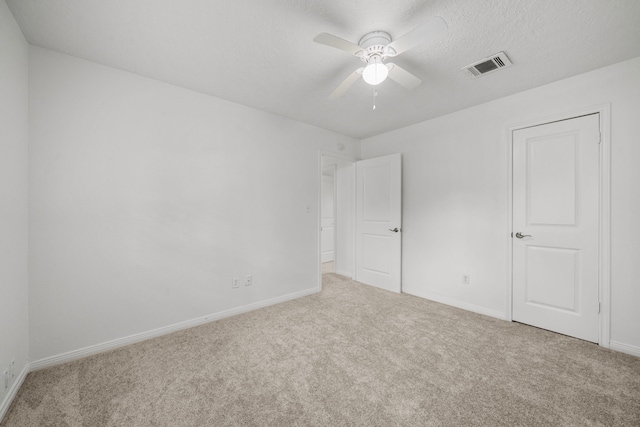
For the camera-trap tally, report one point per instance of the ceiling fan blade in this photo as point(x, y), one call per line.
point(403, 77)
point(337, 42)
point(430, 30)
point(346, 84)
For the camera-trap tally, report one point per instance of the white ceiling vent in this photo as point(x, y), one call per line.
point(488, 65)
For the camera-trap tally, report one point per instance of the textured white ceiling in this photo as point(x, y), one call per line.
point(261, 53)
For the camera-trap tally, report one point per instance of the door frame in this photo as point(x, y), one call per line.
point(604, 225)
point(326, 153)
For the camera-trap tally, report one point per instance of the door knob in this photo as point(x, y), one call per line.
point(395, 230)
point(519, 235)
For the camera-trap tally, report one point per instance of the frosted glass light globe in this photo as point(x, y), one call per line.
point(375, 73)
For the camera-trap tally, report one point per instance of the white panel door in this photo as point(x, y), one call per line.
point(378, 222)
point(555, 226)
point(327, 219)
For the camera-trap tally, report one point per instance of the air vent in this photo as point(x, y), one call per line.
point(488, 65)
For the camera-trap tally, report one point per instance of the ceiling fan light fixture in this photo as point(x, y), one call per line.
point(375, 72)
point(375, 47)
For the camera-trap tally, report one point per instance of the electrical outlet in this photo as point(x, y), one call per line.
point(466, 279)
point(234, 283)
point(6, 379)
point(13, 369)
point(248, 281)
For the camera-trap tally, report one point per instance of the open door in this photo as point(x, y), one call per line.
point(378, 222)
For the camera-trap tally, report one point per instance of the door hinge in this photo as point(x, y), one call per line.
point(598, 308)
point(599, 137)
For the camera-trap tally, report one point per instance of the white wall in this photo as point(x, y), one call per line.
point(455, 194)
point(147, 199)
point(13, 200)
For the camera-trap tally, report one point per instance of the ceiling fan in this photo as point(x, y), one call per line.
point(376, 47)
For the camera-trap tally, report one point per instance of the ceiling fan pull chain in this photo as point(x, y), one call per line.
point(375, 93)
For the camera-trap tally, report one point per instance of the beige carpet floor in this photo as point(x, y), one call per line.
point(328, 267)
point(351, 355)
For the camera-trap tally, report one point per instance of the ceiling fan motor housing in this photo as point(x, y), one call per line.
point(374, 44)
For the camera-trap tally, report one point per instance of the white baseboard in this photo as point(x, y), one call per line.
point(625, 348)
point(13, 391)
point(327, 256)
point(131, 339)
point(458, 304)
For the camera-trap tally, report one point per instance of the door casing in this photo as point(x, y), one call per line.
point(604, 258)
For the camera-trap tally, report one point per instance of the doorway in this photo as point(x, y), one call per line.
point(558, 227)
point(327, 218)
point(336, 215)
point(365, 240)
